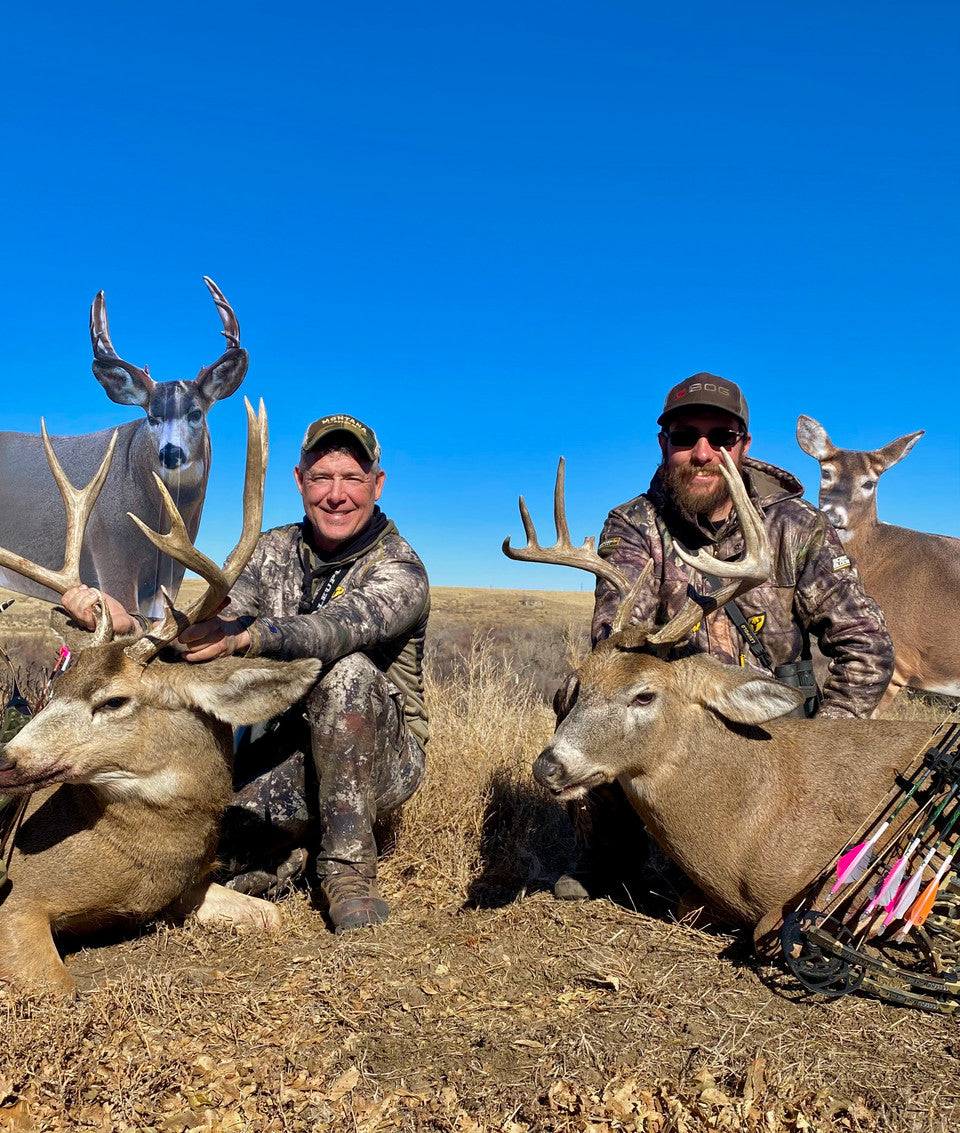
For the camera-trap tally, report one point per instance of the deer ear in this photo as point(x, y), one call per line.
point(812, 438)
point(896, 450)
point(124, 384)
point(223, 377)
point(241, 690)
point(750, 699)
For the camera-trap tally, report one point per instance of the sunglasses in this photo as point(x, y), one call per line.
point(686, 436)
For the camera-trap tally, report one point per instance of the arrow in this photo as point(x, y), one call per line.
point(853, 864)
point(921, 909)
point(906, 895)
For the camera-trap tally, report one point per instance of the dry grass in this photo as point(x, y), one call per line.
point(483, 1005)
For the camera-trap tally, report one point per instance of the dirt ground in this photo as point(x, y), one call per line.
point(482, 1005)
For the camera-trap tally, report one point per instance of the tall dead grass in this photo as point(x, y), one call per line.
point(480, 830)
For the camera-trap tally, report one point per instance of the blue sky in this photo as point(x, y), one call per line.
point(498, 233)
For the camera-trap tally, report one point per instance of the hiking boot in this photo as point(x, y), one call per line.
point(353, 901)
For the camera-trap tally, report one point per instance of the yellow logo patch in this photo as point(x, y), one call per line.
point(608, 544)
point(841, 561)
point(336, 594)
point(757, 622)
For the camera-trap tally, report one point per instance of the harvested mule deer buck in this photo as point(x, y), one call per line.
point(752, 805)
point(130, 763)
point(171, 441)
point(913, 576)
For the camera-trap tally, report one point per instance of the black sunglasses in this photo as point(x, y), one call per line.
point(720, 436)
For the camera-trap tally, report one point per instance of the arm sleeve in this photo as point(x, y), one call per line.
point(850, 629)
point(627, 547)
point(387, 600)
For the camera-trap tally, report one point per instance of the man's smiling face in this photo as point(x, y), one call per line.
point(691, 444)
point(339, 491)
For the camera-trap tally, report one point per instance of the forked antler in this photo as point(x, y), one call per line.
point(78, 503)
point(105, 354)
point(746, 573)
point(563, 552)
point(177, 544)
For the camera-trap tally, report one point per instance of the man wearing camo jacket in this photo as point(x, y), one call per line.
point(814, 590)
point(343, 586)
point(315, 787)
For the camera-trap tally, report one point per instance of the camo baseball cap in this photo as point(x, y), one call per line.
point(342, 423)
point(709, 391)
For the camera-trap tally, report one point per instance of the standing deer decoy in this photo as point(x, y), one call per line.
point(172, 440)
point(913, 576)
point(752, 805)
point(129, 764)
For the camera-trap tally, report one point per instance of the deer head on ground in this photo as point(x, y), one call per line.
point(751, 804)
point(171, 441)
point(913, 575)
point(128, 767)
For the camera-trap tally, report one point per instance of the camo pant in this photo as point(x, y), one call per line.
point(318, 779)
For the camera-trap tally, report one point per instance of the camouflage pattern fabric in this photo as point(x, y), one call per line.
point(379, 607)
point(814, 590)
point(321, 776)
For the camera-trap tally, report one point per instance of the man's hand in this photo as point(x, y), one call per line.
point(214, 638)
point(81, 604)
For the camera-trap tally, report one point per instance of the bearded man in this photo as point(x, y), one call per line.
point(814, 591)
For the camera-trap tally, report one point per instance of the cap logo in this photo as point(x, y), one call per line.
point(706, 387)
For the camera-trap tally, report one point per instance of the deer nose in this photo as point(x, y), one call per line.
point(172, 456)
point(547, 770)
point(836, 515)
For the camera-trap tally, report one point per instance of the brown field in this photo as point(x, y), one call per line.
point(483, 1005)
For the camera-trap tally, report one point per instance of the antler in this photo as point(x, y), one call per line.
point(231, 328)
point(748, 572)
point(78, 503)
point(103, 349)
point(177, 544)
point(563, 552)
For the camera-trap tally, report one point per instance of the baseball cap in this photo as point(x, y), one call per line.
point(342, 423)
point(706, 390)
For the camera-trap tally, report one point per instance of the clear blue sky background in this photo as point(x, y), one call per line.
point(497, 232)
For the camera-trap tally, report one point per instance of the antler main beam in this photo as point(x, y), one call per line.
point(177, 544)
point(563, 552)
point(78, 503)
point(750, 571)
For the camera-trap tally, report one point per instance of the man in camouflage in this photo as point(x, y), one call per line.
point(814, 590)
point(326, 777)
point(315, 787)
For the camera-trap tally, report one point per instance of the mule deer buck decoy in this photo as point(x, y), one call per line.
point(129, 765)
point(171, 440)
point(913, 576)
point(750, 803)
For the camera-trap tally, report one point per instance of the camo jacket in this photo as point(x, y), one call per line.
point(378, 604)
point(814, 589)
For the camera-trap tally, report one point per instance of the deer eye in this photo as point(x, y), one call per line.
point(194, 416)
point(642, 699)
point(868, 485)
point(112, 704)
point(153, 420)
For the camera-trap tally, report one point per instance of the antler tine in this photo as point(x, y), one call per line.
point(100, 328)
point(750, 571)
point(78, 503)
point(178, 545)
point(563, 552)
point(231, 328)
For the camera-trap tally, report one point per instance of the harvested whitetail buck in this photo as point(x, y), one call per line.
point(753, 805)
point(130, 762)
point(913, 576)
point(172, 441)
